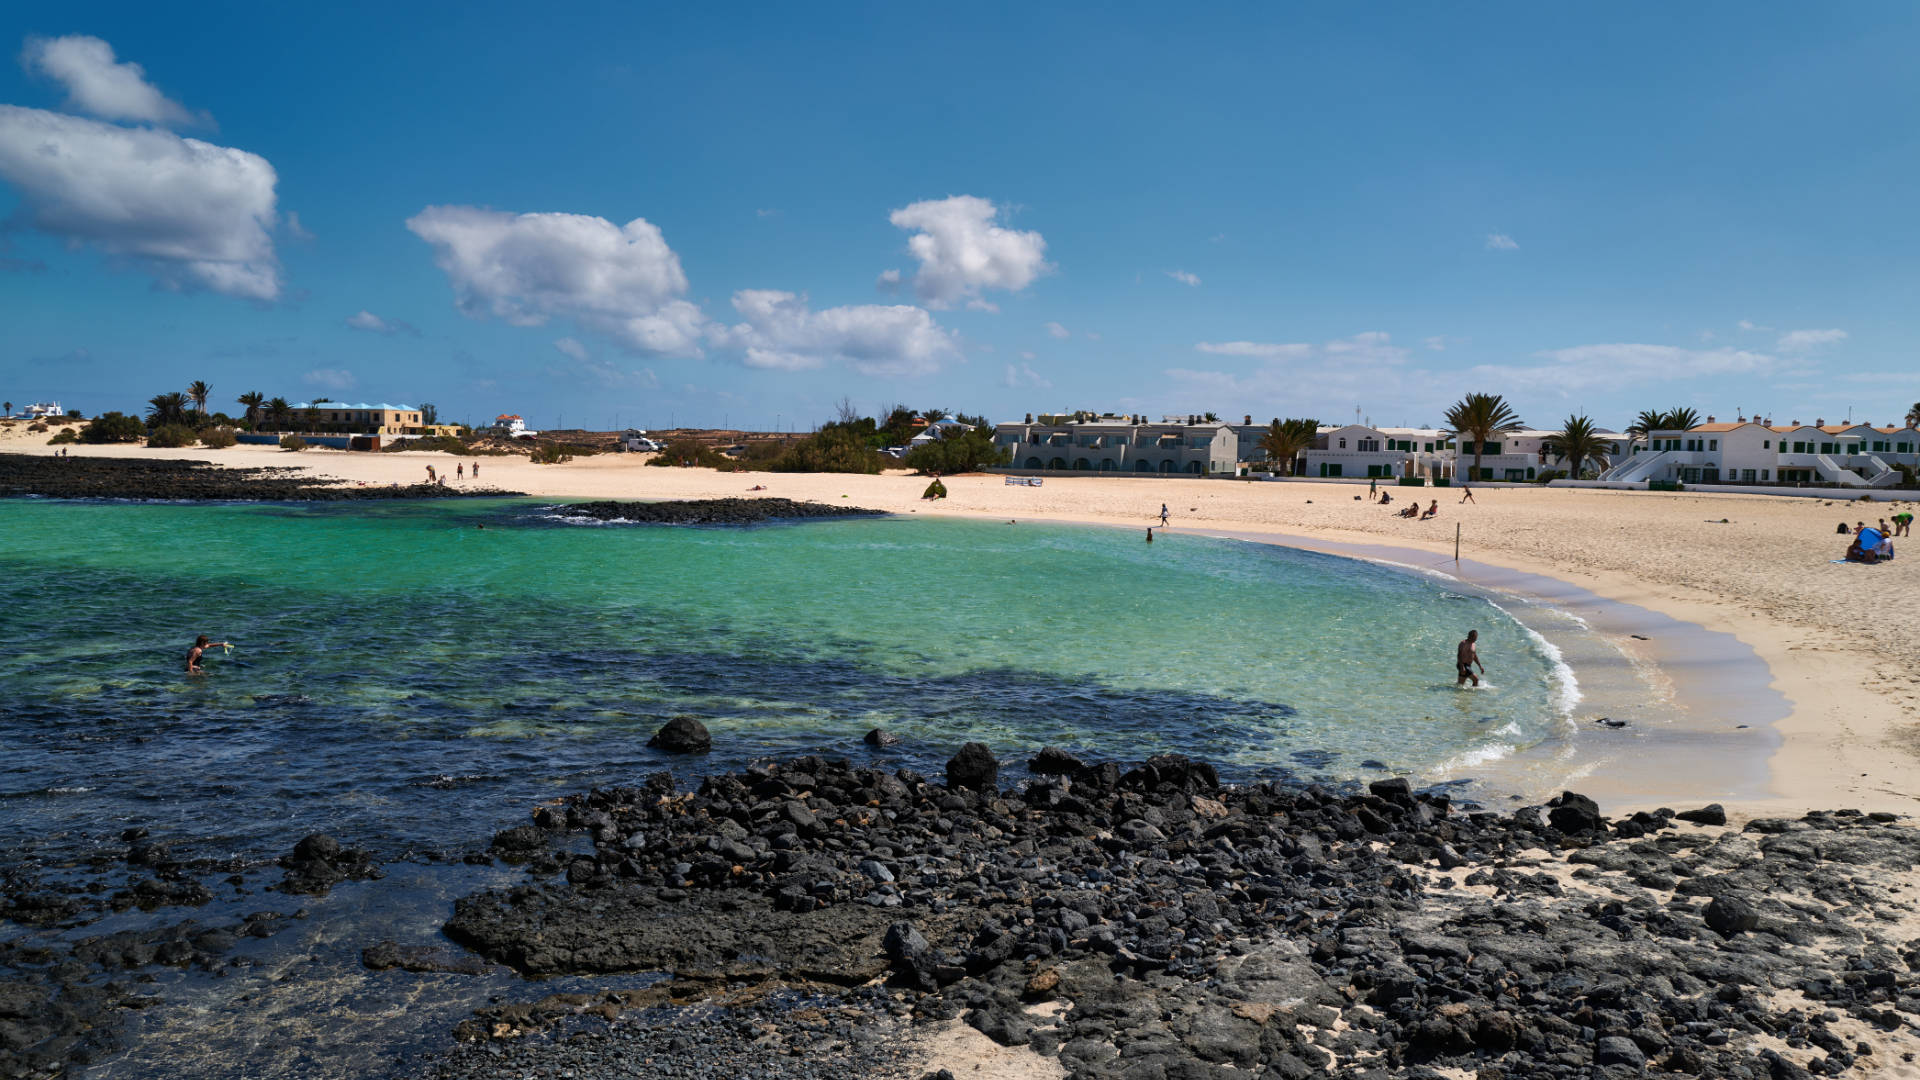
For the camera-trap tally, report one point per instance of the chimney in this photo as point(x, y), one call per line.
point(1248, 420)
point(1711, 420)
point(1820, 421)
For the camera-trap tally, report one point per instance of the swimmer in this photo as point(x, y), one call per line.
point(201, 645)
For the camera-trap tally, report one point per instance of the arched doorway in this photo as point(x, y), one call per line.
point(1057, 463)
point(1033, 463)
point(1083, 465)
point(1143, 466)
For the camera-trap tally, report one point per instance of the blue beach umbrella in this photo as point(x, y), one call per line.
point(1869, 539)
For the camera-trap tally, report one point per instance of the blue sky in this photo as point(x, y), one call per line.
point(682, 214)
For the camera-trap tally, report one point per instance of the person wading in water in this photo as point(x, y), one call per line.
point(1467, 655)
point(201, 645)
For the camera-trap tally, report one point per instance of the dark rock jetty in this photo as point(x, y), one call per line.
point(1149, 922)
point(82, 477)
point(708, 511)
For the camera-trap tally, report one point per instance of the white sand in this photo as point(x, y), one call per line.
point(1840, 640)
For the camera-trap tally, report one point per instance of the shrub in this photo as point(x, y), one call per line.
point(684, 451)
point(292, 442)
point(835, 448)
point(66, 436)
point(114, 427)
point(1548, 476)
point(218, 437)
point(35, 426)
point(551, 454)
point(963, 453)
point(171, 436)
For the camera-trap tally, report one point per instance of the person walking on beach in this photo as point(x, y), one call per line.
point(200, 646)
point(476, 470)
point(1163, 515)
point(1466, 495)
point(429, 474)
point(1373, 490)
point(459, 470)
point(1467, 655)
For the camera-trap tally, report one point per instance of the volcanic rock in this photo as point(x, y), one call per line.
point(682, 735)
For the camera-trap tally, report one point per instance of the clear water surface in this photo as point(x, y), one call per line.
point(408, 679)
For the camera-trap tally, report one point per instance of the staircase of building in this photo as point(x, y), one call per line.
point(1834, 472)
point(1636, 468)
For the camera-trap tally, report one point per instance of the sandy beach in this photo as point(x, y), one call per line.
point(1834, 637)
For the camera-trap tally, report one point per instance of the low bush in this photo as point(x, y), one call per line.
point(967, 452)
point(688, 452)
point(219, 438)
point(292, 442)
point(66, 436)
point(171, 436)
point(114, 427)
point(1547, 476)
point(36, 426)
point(552, 454)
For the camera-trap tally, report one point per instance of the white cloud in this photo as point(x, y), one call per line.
point(330, 379)
point(1754, 327)
point(1803, 341)
point(1093, 335)
point(962, 251)
point(781, 332)
point(1025, 355)
point(368, 321)
point(1330, 376)
point(1584, 367)
point(621, 281)
point(1055, 330)
point(988, 306)
point(295, 229)
point(767, 213)
point(1024, 375)
point(96, 83)
point(1183, 277)
point(888, 282)
point(571, 348)
point(1501, 242)
point(1437, 344)
point(192, 213)
point(1261, 349)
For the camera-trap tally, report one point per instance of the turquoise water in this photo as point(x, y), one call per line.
point(408, 679)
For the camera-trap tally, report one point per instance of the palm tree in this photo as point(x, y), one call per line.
point(252, 399)
point(1480, 417)
point(1913, 414)
point(313, 413)
point(1285, 439)
point(168, 408)
point(281, 411)
point(6, 409)
point(934, 416)
point(199, 391)
point(1644, 425)
point(1681, 418)
point(1577, 443)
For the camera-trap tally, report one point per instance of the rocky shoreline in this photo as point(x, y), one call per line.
point(707, 511)
point(1150, 922)
point(168, 479)
point(816, 918)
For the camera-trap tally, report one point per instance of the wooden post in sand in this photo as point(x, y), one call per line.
point(1456, 541)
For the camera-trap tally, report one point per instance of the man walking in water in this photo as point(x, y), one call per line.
point(1465, 657)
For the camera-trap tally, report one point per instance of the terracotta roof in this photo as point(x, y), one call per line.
point(1716, 427)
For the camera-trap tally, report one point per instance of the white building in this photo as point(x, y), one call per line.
point(42, 410)
point(939, 429)
point(1748, 452)
point(512, 426)
point(1119, 445)
point(1361, 450)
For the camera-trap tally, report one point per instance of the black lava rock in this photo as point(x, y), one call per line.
point(973, 767)
point(1710, 814)
point(1730, 915)
point(1575, 814)
point(881, 737)
point(682, 735)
